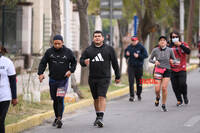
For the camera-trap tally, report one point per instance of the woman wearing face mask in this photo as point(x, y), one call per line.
point(178, 75)
point(162, 55)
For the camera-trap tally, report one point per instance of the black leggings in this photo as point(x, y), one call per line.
point(58, 106)
point(4, 105)
point(135, 72)
point(58, 102)
point(179, 85)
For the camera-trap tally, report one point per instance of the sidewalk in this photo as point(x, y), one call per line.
point(39, 118)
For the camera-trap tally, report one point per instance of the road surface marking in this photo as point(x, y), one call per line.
point(191, 122)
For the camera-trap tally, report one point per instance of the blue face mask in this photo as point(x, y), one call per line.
point(175, 40)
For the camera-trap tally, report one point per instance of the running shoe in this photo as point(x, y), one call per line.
point(157, 101)
point(95, 122)
point(100, 123)
point(59, 123)
point(179, 103)
point(139, 98)
point(164, 109)
point(54, 123)
point(186, 101)
point(131, 99)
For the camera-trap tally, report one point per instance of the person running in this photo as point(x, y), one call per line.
point(179, 74)
point(8, 87)
point(62, 63)
point(135, 53)
point(99, 57)
point(162, 55)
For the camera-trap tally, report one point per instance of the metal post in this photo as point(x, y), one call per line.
point(3, 25)
point(182, 13)
point(111, 36)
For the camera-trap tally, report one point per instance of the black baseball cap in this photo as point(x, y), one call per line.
point(162, 37)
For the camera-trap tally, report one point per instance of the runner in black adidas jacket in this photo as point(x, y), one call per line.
point(99, 58)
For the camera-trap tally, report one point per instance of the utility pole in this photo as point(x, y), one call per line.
point(182, 14)
point(111, 33)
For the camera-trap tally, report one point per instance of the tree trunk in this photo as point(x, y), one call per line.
point(56, 23)
point(190, 25)
point(84, 35)
point(190, 22)
point(75, 87)
point(147, 22)
point(123, 28)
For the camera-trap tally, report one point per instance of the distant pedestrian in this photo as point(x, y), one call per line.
point(179, 74)
point(163, 55)
point(8, 87)
point(99, 57)
point(61, 62)
point(108, 40)
point(135, 53)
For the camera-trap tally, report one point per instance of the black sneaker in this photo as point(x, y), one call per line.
point(186, 101)
point(179, 103)
point(59, 123)
point(100, 123)
point(131, 99)
point(139, 98)
point(164, 109)
point(95, 122)
point(157, 101)
point(54, 123)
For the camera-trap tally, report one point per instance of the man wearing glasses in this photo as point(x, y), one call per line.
point(135, 53)
point(178, 75)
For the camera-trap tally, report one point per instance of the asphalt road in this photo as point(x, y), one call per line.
point(123, 116)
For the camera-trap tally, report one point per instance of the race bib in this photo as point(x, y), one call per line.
point(61, 91)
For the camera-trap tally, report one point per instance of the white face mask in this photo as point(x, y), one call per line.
point(175, 40)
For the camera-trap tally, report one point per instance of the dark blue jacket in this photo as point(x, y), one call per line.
point(139, 49)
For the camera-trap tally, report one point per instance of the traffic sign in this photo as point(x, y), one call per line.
point(117, 4)
point(116, 14)
point(105, 4)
